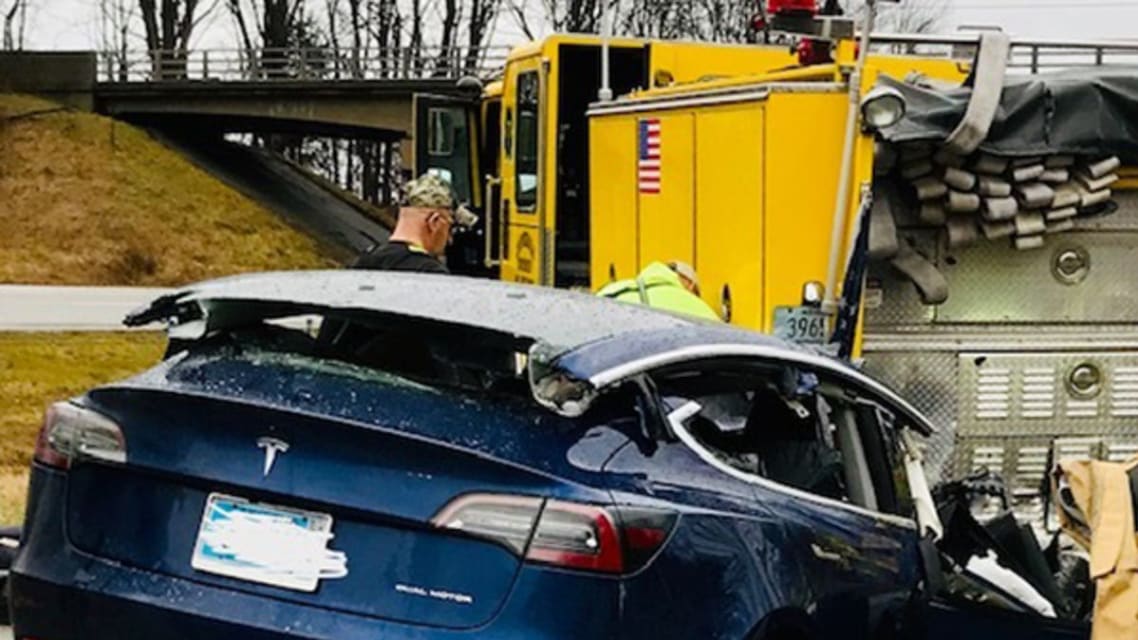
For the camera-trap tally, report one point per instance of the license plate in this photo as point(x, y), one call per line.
point(262, 543)
point(802, 325)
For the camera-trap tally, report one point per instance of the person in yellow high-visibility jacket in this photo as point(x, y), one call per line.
point(670, 287)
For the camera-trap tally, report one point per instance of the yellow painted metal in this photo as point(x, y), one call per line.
point(523, 250)
point(688, 62)
point(729, 253)
point(522, 260)
point(1128, 179)
point(748, 188)
point(818, 73)
point(804, 137)
point(750, 202)
point(613, 200)
point(666, 219)
point(474, 123)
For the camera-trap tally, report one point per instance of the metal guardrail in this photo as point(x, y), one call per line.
point(54, 308)
point(218, 65)
point(1027, 56)
point(406, 63)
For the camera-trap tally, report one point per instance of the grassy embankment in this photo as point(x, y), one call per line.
point(88, 201)
point(37, 369)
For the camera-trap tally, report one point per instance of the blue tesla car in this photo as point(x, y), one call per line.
point(376, 455)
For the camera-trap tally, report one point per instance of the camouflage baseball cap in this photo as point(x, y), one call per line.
point(432, 192)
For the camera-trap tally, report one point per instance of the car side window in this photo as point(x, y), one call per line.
point(790, 427)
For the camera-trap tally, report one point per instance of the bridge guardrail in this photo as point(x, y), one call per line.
point(1026, 56)
point(294, 64)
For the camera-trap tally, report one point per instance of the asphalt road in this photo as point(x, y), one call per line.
point(35, 308)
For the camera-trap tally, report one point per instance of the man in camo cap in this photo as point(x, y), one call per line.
point(427, 218)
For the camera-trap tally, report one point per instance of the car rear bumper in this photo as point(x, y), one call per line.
point(61, 593)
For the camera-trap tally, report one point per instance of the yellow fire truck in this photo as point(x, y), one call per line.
point(741, 161)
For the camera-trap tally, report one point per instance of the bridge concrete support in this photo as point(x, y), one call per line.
point(61, 76)
point(381, 110)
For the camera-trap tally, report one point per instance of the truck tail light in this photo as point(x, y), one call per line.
point(70, 432)
point(612, 540)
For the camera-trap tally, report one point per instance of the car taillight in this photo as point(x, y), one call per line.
point(560, 533)
point(70, 431)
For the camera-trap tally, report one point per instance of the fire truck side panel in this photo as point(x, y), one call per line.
point(729, 204)
point(613, 197)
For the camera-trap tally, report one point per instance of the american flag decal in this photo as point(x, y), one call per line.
point(648, 165)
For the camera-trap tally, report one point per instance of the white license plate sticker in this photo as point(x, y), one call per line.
point(271, 545)
point(802, 325)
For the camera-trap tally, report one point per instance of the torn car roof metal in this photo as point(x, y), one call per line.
point(558, 318)
point(593, 341)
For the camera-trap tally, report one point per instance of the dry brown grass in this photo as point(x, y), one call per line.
point(87, 200)
point(37, 369)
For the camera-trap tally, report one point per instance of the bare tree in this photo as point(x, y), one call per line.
point(905, 17)
point(483, 14)
point(116, 19)
point(574, 16)
point(452, 13)
point(519, 9)
point(15, 20)
point(265, 29)
point(168, 30)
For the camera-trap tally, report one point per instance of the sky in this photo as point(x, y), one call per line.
point(73, 24)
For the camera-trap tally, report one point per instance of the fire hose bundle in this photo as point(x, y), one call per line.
point(993, 197)
point(982, 197)
point(998, 159)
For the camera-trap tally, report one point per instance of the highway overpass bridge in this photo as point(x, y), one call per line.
point(296, 91)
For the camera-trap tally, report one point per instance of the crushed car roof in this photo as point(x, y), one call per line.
point(558, 318)
point(589, 338)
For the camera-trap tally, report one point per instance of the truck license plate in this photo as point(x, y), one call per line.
point(802, 325)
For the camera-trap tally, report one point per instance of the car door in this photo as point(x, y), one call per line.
point(833, 568)
point(711, 579)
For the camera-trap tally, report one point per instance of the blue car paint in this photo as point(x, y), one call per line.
point(754, 547)
point(741, 555)
point(61, 593)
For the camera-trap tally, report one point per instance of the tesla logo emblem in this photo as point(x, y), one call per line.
point(272, 447)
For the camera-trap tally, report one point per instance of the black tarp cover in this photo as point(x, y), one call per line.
point(1086, 111)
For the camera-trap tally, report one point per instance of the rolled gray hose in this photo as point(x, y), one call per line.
point(959, 202)
point(1027, 243)
point(962, 231)
point(991, 187)
point(1097, 184)
point(990, 165)
point(1035, 195)
point(932, 214)
point(1056, 215)
point(930, 189)
point(1067, 195)
point(959, 179)
point(1029, 224)
point(1094, 199)
point(1029, 173)
point(999, 209)
point(1060, 226)
point(1103, 167)
point(998, 230)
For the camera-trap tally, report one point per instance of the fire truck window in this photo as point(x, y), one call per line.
point(442, 131)
point(526, 140)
